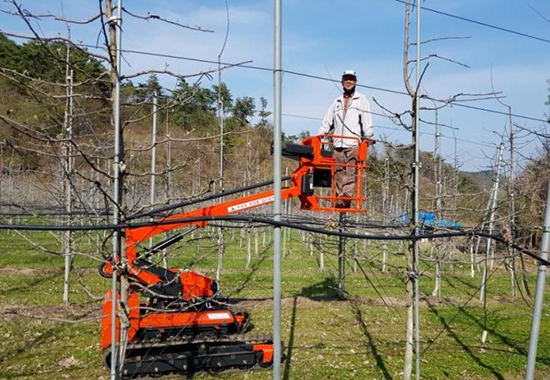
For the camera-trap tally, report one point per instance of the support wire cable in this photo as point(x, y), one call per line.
point(496, 27)
point(268, 221)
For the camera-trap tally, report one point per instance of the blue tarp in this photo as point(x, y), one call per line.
point(426, 218)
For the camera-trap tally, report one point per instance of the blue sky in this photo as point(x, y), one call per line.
point(324, 38)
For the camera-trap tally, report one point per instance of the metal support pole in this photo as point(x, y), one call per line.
point(341, 256)
point(416, 168)
point(221, 241)
point(539, 293)
point(117, 196)
point(168, 188)
point(277, 115)
point(154, 159)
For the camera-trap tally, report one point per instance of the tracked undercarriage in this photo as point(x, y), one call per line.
point(190, 355)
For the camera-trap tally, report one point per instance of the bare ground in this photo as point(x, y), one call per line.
point(11, 271)
point(56, 313)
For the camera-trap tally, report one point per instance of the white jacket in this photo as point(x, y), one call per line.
point(358, 121)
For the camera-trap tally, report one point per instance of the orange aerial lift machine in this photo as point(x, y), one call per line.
point(176, 321)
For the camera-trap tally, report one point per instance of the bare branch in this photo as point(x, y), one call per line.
point(536, 133)
point(46, 40)
point(179, 76)
point(395, 117)
point(438, 123)
point(406, 49)
point(395, 146)
point(444, 59)
point(27, 14)
point(29, 132)
point(74, 96)
point(176, 23)
point(441, 39)
point(420, 79)
point(456, 98)
point(41, 81)
point(104, 23)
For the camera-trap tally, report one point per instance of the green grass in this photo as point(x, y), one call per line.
point(360, 338)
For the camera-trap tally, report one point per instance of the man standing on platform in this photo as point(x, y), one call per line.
point(348, 116)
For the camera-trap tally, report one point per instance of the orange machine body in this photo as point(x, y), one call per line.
point(164, 322)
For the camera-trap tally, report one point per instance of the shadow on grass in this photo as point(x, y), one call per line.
point(290, 348)
point(32, 284)
point(324, 290)
point(471, 287)
point(503, 338)
point(370, 341)
point(43, 339)
point(464, 346)
point(254, 268)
